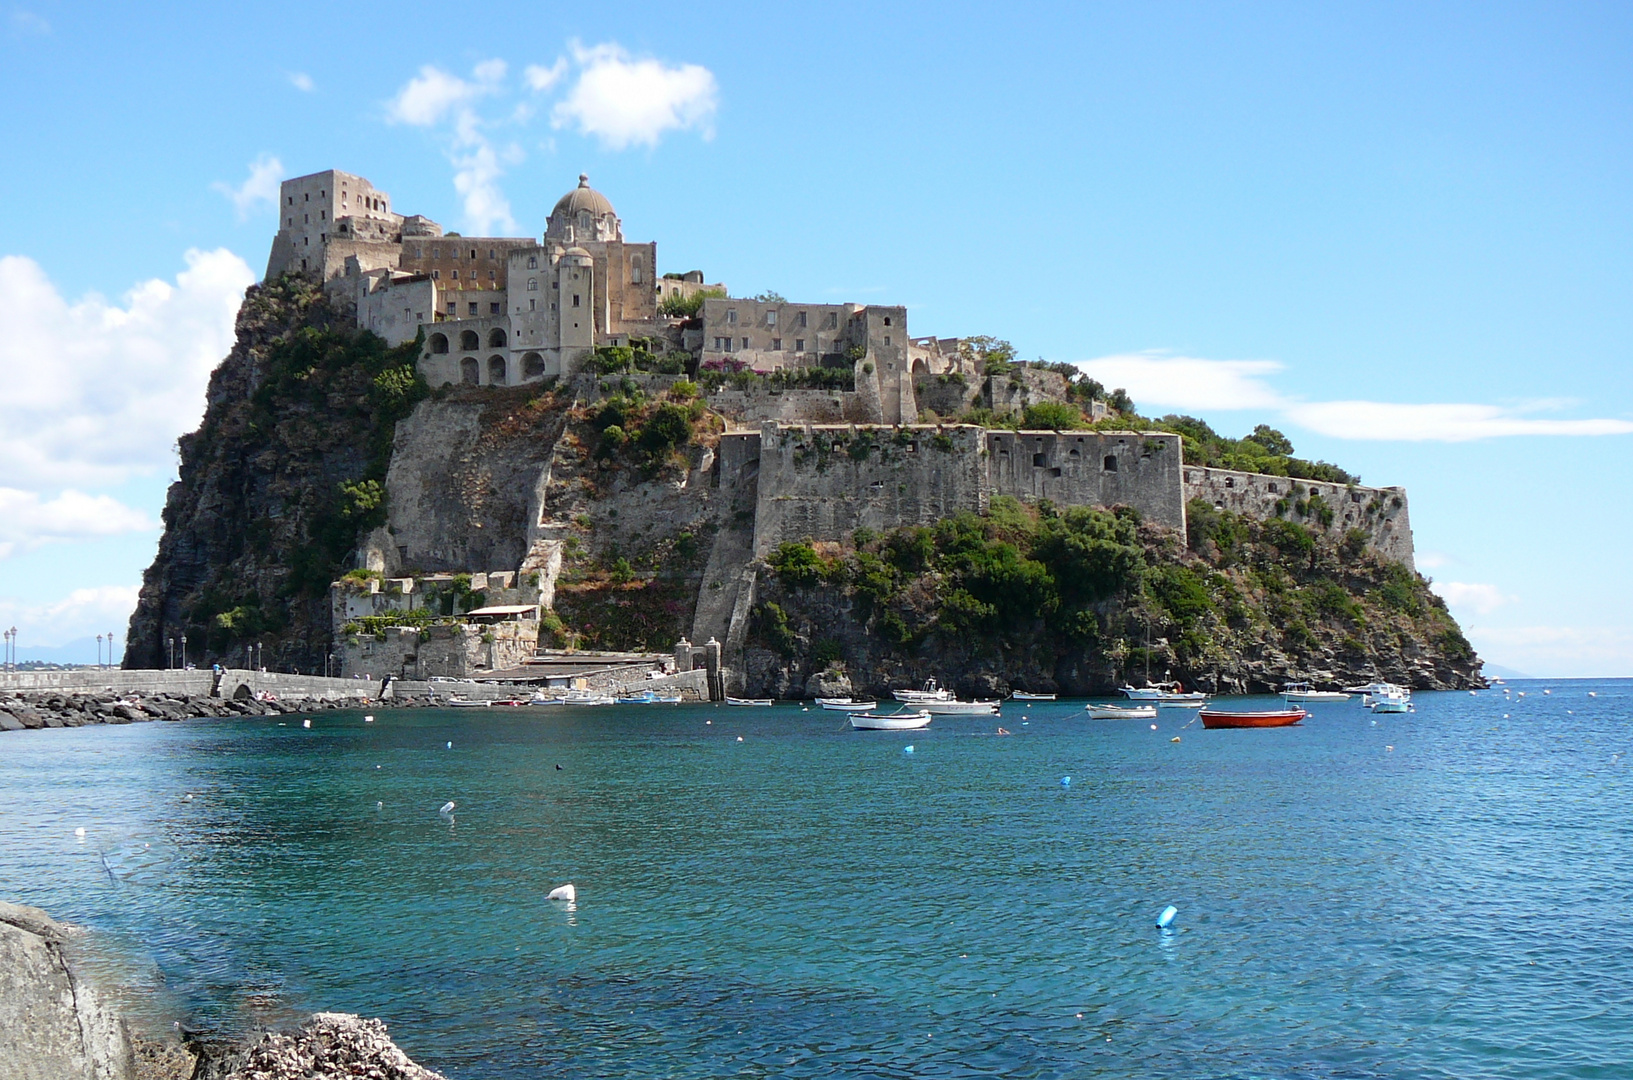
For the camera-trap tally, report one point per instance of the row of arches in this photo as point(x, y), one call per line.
point(468, 340)
point(470, 370)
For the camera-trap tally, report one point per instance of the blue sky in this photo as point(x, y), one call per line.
point(1399, 232)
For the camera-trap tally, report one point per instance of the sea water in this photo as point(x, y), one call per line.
point(1440, 894)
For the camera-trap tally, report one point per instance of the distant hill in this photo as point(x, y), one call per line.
point(78, 651)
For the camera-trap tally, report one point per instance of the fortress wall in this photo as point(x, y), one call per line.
point(791, 406)
point(1381, 513)
point(815, 483)
point(1081, 468)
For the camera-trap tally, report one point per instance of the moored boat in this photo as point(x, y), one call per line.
point(1121, 712)
point(648, 697)
point(931, 692)
point(954, 707)
point(847, 705)
point(748, 701)
point(1217, 718)
point(467, 703)
point(1022, 695)
point(1392, 703)
point(902, 721)
point(1303, 691)
point(1182, 702)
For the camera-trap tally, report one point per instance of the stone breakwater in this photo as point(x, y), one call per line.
point(56, 709)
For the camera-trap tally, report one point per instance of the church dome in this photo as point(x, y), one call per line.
point(583, 197)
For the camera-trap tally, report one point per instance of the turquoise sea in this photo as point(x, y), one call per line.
point(1442, 894)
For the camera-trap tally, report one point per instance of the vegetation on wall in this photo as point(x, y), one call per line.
point(1025, 588)
point(688, 306)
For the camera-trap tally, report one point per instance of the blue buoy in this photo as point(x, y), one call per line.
point(1167, 916)
point(908, 749)
point(1065, 781)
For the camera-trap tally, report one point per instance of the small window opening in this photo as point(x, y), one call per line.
point(1110, 464)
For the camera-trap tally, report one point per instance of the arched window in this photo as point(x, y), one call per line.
point(532, 262)
point(496, 338)
point(532, 366)
point(470, 339)
point(439, 343)
point(584, 223)
point(1111, 463)
point(532, 284)
point(496, 371)
point(469, 373)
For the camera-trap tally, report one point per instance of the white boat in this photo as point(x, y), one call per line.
point(1303, 691)
point(1121, 712)
point(1372, 688)
point(953, 707)
point(748, 701)
point(1145, 693)
point(648, 697)
point(466, 703)
point(847, 705)
point(902, 721)
point(931, 692)
point(1022, 695)
point(1181, 702)
point(1392, 703)
point(573, 697)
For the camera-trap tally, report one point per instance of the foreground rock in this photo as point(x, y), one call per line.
point(329, 1046)
point(52, 1025)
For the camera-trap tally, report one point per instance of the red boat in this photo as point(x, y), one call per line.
point(1214, 718)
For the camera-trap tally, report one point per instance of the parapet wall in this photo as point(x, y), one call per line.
point(1079, 468)
point(1381, 513)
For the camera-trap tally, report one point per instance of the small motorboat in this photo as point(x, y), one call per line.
point(573, 697)
point(954, 707)
point(902, 721)
point(847, 705)
point(931, 692)
point(1099, 711)
point(1185, 702)
point(748, 701)
point(647, 697)
point(1392, 703)
point(1303, 691)
point(1217, 718)
point(1150, 692)
point(1022, 695)
point(467, 703)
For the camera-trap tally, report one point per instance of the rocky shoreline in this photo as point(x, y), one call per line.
point(54, 1025)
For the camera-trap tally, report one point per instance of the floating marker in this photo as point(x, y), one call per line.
point(1153, 727)
point(908, 749)
point(739, 738)
point(1065, 781)
point(380, 805)
point(80, 832)
point(1174, 739)
point(1505, 716)
point(377, 766)
point(1593, 693)
point(708, 721)
point(368, 719)
point(447, 807)
point(558, 768)
point(1547, 691)
point(306, 723)
point(450, 746)
point(1389, 748)
point(566, 892)
point(1167, 916)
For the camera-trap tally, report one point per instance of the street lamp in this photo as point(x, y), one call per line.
point(184, 652)
point(172, 661)
point(260, 657)
point(110, 650)
point(249, 657)
point(99, 650)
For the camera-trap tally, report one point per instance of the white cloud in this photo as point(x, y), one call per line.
point(26, 22)
point(1478, 598)
point(1558, 651)
point(434, 94)
point(301, 81)
point(542, 78)
point(1159, 382)
point(82, 613)
point(1431, 560)
point(1395, 421)
point(97, 392)
point(27, 520)
point(625, 102)
point(265, 173)
point(1186, 382)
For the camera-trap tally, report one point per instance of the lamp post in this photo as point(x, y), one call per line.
point(184, 652)
point(249, 657)
point(11, 649)
point(110, 650)
point(260, 657)
point(99, 650)
point(171, 662)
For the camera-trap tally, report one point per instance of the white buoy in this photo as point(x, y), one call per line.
point(566, 892)
point(1547, 691)
point(908, 749)
point(380, 805)
point(1593, 693)
point(306, 723)
point(1153, 727)
point(739, 738)
point(450, 746)
point(447, 807)
point(1065, 781)
point(80, 832)
point(368, 719)
point(1167, 916)
point(187, 797)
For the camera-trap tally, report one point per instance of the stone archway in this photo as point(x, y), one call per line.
point(496, 371)
point(469, 373)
